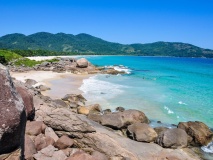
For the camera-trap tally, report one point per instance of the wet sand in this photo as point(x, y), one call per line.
point(60, 83)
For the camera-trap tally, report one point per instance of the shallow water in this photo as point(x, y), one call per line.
point(165, 88)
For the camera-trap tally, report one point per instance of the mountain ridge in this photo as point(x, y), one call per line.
point(87, 44)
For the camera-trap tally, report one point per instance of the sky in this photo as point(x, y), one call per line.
point(122, 21)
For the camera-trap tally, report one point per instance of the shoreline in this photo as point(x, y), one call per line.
point(51, 79)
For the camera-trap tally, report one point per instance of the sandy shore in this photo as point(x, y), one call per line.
point(60, 83)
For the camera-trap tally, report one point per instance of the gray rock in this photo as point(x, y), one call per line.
point(30, 82)
point(172, 138)
point(119, 120)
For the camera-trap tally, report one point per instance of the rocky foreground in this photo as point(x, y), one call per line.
point(36, 127)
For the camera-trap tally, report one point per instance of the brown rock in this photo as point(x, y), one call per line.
point(120, 120)
point(99, 156)
point(41, 142)
point(83, 110)
point(82, 63)
point(50, 153)
point(28, 102)
point(60, 102)
point(64, 142)
point(198, 131)
point(80, 155)
point(12, 114)
point(50, 133)
point(94, 108)
point(172, 138)
point(34, 128)
point(29, 148)
point(141, 132)
point(95, 117)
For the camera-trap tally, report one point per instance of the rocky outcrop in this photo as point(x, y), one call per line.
point(172, 138)
point(12, 114)
point(120, 120)
point(200, 134)
point(141, 132)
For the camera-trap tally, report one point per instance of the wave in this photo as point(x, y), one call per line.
point(169, 111)
point(180, 102)
point(208, 148)
point(120, 68)
point(96, 89)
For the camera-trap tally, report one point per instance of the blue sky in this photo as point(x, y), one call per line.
point(122, 21)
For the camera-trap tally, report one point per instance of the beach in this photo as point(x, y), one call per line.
point(60, 84)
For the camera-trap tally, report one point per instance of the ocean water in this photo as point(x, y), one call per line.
point(166, 89)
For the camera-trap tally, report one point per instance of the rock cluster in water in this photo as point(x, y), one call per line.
point(67, 129)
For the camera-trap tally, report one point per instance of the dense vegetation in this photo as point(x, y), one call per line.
point(9, 57)
point(43, 43)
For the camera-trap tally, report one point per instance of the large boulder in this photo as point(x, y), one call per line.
point(28, 101)
point(200, 133)
point(12, 114)
point(172, 138)
point(141, 132)
point(82, 63)
point(119, 120)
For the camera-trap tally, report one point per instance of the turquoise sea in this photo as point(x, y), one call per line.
point(166, 89)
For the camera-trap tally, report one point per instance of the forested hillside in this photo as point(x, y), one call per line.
point(44, 43)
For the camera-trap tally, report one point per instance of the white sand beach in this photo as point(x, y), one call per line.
point(69, 83)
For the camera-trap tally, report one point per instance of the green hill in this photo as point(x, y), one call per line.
point(87, 44)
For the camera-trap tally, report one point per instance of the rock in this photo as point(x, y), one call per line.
point(119, 120)
point(99, 156)
point(70, 151)
point(95, 117)
point(82, 63)
point(106, 111)
point(29, 148)
point(60, 102)
point(64, 142)
point(94, 108)
point(74, 97)
point(110, 144)
point(120, 109)
point(43, 88)
point(141, 132)
point(50, 153)
point(12, 114)
point(83, 110)
point(28, 102)
point(63, 119)
point(35, 128)
point(200, 133)
point(158, 130)
point(50, 133)
point(44, 64)
point(41, 142)
point(15, 155)
point(172, 138)
point(81, 156)
point(30, 82)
